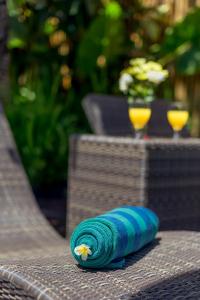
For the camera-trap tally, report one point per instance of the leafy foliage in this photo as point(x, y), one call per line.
point(182, 44)
point(42, 126)
point(61, 50)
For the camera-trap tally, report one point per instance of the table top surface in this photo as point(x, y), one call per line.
point(130, 140)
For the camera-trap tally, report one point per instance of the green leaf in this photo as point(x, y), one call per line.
point(113, 10)
point(13, 6)
point(16, 43)
point(48, 28)
point(189, 62)
point(182, 43)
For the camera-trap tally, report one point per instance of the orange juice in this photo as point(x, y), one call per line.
point(139, 116)
point(177, 119)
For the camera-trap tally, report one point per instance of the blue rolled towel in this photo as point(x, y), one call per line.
point(104, 241)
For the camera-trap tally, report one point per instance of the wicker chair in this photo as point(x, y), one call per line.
point(108, 115)
point(35, 263)
point(162, 174)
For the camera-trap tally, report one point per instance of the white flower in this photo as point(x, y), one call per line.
point(83, 251)
point(157, 76)
point(124, 82)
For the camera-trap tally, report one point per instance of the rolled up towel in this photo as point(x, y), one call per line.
point(104, 241)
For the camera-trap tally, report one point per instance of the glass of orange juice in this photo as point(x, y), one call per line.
point(177, 116)
point(139, 114)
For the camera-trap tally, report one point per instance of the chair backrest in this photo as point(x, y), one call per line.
point(108, 115)
point(22, 225)
point(17, 204)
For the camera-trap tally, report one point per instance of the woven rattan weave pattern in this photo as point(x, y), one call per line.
point(35, 263)
point(155, 272)
point(162, 174)
point(24, 232)
point(20, 219)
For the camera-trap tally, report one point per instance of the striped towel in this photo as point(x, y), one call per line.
point(104, 241)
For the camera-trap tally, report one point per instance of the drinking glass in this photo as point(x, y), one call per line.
point(139, 114)
point(177, 116)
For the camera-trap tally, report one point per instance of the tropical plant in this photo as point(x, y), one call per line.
point(60, 51)
point(180, 49)
point(181, 44)
point(42, 125)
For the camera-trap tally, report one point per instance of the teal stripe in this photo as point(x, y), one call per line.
point(137, 235)
point(146, 210)
point(139, 220)
point(153, 218)
point(143, 225)
point(130, 230)
point(150, 227)
point(122, 234)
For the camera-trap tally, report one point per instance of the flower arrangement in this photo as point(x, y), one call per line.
point(140, 78)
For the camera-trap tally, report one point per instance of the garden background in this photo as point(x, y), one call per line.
point(62, 50)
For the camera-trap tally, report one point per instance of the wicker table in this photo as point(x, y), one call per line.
point(162, 174)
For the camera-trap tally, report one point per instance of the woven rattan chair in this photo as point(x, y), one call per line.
point(162, 174)
point(108, 115)
point(35, 263)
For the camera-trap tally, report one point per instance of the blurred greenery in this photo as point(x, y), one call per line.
point(182, 44)
point(181, 50)
point(42, 128)
point(61, 50)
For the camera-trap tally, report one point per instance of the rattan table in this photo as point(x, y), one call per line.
point(162, 174)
